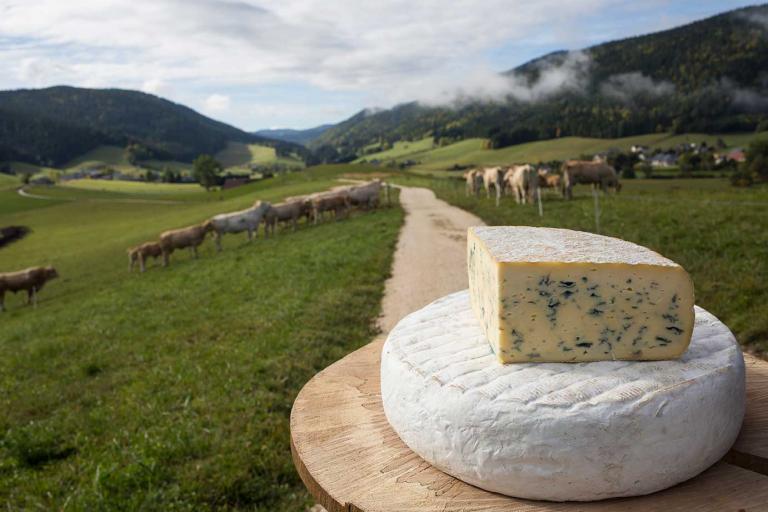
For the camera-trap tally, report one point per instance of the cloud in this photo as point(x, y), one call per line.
point(335, 45)
point(157, 87)
point(749, 100)
point(758, 18)
point(627, 86)
point(569, 72)
point(216, 103)
point(376, 53)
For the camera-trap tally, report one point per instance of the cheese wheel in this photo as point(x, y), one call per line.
point(559, 431)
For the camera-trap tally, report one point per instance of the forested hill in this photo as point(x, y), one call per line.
point(53, 125)
point(298, 136)
point(710, 75)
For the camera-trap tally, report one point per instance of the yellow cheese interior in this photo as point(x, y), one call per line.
point(575, 312)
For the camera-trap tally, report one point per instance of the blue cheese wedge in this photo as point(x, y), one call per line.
point(556, 295)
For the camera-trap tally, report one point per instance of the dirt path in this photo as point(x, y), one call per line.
point(430, 259)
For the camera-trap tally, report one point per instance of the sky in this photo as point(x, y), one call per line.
point(300, 63)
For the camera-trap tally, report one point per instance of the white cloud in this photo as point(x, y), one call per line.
point(374, 53)
point(216, 104)
point(389, 49)
point(626, 86)
point(157, 87)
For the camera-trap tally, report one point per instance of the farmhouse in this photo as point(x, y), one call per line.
point(663, 160)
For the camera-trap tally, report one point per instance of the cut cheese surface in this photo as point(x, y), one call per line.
point(557, 431)
point(556, 295)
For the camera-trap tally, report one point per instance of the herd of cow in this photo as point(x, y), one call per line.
point(525, 181)
point(337, 201)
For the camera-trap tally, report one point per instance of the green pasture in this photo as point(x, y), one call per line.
point(171, 390)
point(719, 233)
point(237, 154)
point(401, 149)
point(133, 187)
point(471, 152)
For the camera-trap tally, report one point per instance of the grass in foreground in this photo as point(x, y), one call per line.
point(717, 232)
point(172, 390)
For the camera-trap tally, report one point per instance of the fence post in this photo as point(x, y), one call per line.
point(538, 198)
point(597, 209)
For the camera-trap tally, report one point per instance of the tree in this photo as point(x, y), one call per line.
point(757, 158)
point(206, 171)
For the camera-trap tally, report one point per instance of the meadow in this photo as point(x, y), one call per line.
point(470, 151)
point(171, 390)
point(719, 233)
point(237, 154)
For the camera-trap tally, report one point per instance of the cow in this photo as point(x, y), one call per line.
point(474, 182)
point(143, 252)
point(494, 177)
point(237, 222)
point(30, 280)
point(366, 195)
point(523, 180)
point(284, 212)
point(190, 237)
point(594, 173)
point(549, 179)
point(336, 201)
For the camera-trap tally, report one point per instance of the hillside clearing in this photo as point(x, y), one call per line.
point(237, 154)
point(471, 152)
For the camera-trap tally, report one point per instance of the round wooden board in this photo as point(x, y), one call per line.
point(351, 460)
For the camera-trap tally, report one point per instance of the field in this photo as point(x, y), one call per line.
point(402, 149)
point(237, 154)
point(171, 390)
point(717, 232)
point(471, 151)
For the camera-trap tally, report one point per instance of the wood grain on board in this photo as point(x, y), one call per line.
point(351, 460)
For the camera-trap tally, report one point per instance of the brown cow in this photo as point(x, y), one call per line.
point(143, 252)
point(31, 280)
point(289, 211)
point(595, 173)
point(190, 237)
point(549, 179)
point(335, 201)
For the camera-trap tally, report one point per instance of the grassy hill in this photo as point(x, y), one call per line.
point(55, 125)
point(171, 390)
point(471, 152)
point(303, 137)
point(237, 154)
point(706, 76)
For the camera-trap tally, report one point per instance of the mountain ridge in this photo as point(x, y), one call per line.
point(701, 76)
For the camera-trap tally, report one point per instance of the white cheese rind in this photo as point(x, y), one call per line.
point(555, 295)
point(555, 431)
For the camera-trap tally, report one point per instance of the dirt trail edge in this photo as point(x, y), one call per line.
point(430, 259)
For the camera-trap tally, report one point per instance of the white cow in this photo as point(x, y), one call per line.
point(474, 182)
point(523, 180)
point(494, 177)
point(237, 222)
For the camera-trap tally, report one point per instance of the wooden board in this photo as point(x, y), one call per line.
point(351, 460)
point(751, 448)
